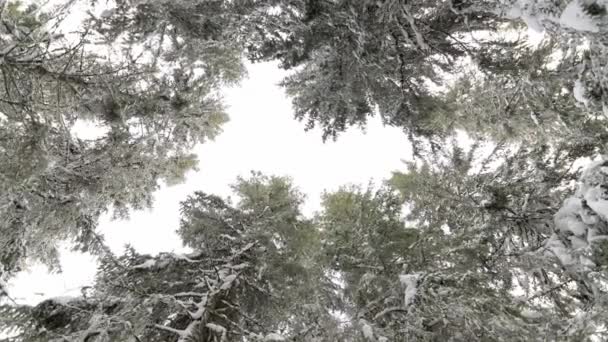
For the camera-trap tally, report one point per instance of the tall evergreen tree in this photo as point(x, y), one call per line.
point(503, 224)
point(352, 58)
point(55, 184)
point(501, 247)
point(252, 277)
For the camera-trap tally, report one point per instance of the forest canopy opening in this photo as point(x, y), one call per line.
point(493, 229)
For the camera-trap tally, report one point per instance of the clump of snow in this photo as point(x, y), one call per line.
point(557, 247)
point(95, 322)
point(367, 277)
point(534, 118)
point(576, 222)
point(367, 330)
point(577, 243)
point(87, 130)
point(146, 264)
point(200, 309)
point(274, 337)
point(485, 203)
point(591, 189)
point(240, 266)
point(596, 199)
point(409, 281)
point(533, 23)
point(63, 300)
point(588, 216)
point(593, 236)
point(572, 17)
point(228, 282)
point(586, 262)
point(575, 18)
point(186, 334)
point(107, 13)
point(181, 256)
point(567, 217)
point(591, 173)
point(516, 11)
point(216, 328)
point(579, 93)
point(531, 314)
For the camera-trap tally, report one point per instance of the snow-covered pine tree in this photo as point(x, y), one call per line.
point(252, 277)
point(149, 108)
point(493, 223)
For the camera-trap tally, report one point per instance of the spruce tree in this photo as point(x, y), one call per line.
point(150, 111)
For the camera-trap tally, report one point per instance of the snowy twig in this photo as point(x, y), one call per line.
point(551, 289)
point(389, 310)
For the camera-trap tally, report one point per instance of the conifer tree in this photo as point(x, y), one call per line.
point(149, 110)
point(252, 276)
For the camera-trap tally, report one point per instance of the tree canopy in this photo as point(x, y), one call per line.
point(502, 238)
point(150, 108)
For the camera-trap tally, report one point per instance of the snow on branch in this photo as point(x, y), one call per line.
point(581, 221)
point(410, 282)
point(183, 334)
point(540, 14)
point(410, 19)
point(148, 264)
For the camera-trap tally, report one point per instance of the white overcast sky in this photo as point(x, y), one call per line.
point(262, 135)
